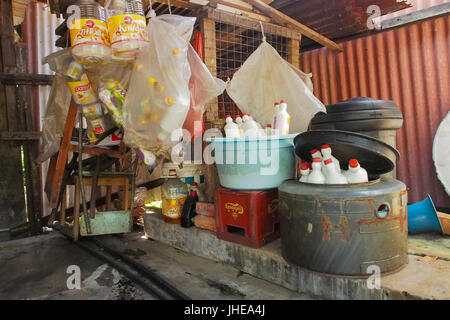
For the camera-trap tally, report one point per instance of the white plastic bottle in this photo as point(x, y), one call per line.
point(238, 121)
point(304, 171)
point(326, 152)
point(283, 119)
point(355, 173)
point(315, 153)
point(333, 177)
point(269, 130)
point(316, 175)
point(275, 114)
point(249, 127)
point(231, 128)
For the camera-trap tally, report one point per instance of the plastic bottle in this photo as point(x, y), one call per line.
point(315, 153)
point(249, 127)
point(231, 128)
point(355, 173)
point(304, 171)
point(89, 34)
point(269, 130)
point(283, 119)
point(85, 97)
point(174, 193)
point(189, 213)
point(333, 177)
point(127, 26)
point(275, 114)
point(326, 153)
point(316, 175)
point(238, 121)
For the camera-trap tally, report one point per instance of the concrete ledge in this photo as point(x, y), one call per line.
point(418, 280)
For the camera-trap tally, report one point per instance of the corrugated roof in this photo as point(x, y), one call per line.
point(335, 19)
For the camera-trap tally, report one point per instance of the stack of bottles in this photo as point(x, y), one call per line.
point(101, 33)
point(245, 126)
point(326, 169)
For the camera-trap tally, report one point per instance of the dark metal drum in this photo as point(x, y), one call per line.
point(344, 229)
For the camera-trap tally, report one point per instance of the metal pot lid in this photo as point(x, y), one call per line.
point(374, 155)
point(362, 103)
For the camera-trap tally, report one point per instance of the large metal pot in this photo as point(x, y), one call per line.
point(344, 229)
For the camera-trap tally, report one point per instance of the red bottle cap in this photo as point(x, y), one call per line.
point(283, 101)
point(313, 151)
point(316, 160)
point(276, 104)
point(269, 126)
point(353, 163)
point(325, 146)
point(228, 116)
point(328, 161)
point(237, 116)
point(305, 166)
point(244, 114)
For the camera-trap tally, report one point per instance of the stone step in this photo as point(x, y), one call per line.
point(417, 280)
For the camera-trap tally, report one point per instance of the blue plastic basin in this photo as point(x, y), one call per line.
point(255, 163)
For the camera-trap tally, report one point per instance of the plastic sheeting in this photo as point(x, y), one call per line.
point(265, 78)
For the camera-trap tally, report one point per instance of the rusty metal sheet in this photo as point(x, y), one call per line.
point(409, 65)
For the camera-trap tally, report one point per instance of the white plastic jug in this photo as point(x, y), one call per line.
point(333, 177)
point(231, 128)
point(316, 175)
point(355, 173)
point(283, 119)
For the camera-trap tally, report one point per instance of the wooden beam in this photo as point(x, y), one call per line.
point(236, 7)
point(293, 52)
point(285, 20)
point(248, 23)
point(178, 3)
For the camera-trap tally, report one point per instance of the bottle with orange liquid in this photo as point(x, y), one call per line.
point(174, 194)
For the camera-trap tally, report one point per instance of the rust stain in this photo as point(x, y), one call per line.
point(329, 227)
point(378, 220)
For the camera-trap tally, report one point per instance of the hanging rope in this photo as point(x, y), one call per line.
point(170, 9)
point(262, 31)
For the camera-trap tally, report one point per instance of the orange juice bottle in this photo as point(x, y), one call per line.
point(174, 194)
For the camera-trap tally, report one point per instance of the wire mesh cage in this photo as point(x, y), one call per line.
point(234, 45)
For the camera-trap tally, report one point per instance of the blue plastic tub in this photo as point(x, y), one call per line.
point(254, 163)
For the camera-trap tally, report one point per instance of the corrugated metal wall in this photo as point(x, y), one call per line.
point(409, 65)
point(39, 34)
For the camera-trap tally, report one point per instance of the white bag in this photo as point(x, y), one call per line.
point(266, 78)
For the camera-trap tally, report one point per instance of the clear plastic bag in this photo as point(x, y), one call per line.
point(158, 98)
point(265, 78)
point(110, 82)
point(57, 105)
point(56, 110)
point(203, 87)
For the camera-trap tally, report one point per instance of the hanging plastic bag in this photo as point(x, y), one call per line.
point(57, 105)
point(265, 78)
point(203, 87)
point(111, 82)
point(158, 98)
